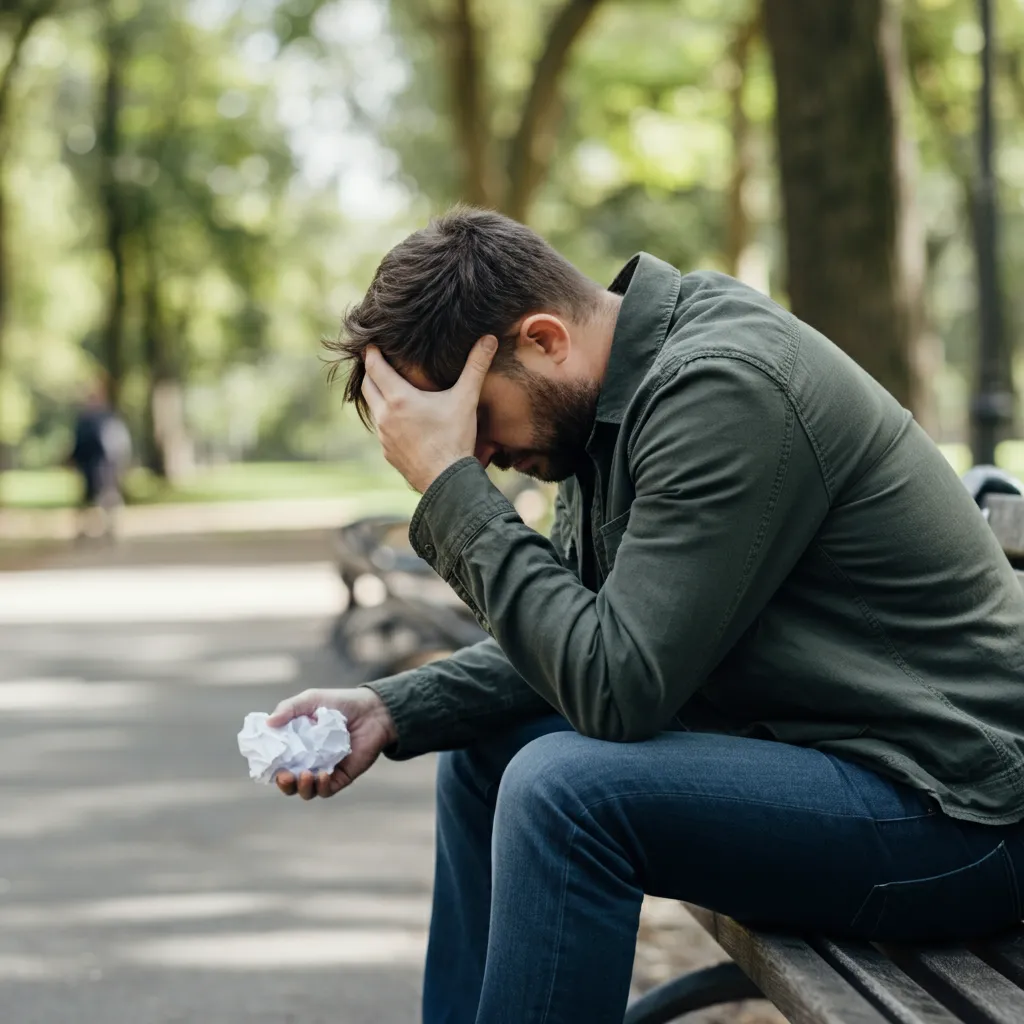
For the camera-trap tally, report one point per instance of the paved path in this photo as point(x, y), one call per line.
point(167, 520)
point(143, 877)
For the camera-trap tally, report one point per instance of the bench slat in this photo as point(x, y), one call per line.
point(876, 975)
point(805, 987)
point(1006, 517)
point(1005, 955)
point(962, 981)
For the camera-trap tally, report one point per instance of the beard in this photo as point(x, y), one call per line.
point(563, 414)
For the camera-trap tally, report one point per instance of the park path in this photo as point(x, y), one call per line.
point(143, 878)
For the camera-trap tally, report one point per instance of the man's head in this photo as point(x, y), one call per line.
point(471, 273)
point(94, 394)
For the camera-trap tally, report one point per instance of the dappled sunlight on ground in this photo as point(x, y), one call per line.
point(144, 878)
point(293, 950)
point(171, 594)
point(47, 697)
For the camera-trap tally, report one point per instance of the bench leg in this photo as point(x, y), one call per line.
point(723, 983)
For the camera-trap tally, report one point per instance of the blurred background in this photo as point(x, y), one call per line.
point(191, 192)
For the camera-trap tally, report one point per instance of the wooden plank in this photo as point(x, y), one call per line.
point(1006, 517)
point(1006, 955)
point(804, 986)
point(884, 983)
point(963, 981)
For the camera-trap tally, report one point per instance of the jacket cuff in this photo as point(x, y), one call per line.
point(454, 509)
point(407, 696)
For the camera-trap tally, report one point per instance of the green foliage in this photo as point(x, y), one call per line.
point(272, 150)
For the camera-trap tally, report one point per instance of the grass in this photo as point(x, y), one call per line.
point(59, 488)
point(255, 481)
point(1010, 456)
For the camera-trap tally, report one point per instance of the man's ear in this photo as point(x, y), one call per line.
point(546, 335)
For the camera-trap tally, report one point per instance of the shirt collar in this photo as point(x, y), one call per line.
point(650, 290)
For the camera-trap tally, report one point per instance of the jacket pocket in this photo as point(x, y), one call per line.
point(609, 537)
point(975, 900)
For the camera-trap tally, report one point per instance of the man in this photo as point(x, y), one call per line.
point(771, 660)
point(102, 448)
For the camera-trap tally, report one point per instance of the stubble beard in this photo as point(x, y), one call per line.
point(563, 414)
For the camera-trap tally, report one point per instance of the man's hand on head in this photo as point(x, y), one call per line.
point(423, 432)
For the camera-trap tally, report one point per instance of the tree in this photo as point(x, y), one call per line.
point(497, 170)
point(18, 19)
point(854, 253)
point(738, 222)
point(117, 52)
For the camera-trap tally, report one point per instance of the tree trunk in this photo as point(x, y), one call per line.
point(534, 143)
point(738, 230)
point(167, 450)
point(113, 356)
point(531, 148)
point(854, 257)
point(469, 107)
point(155, 354)
point(6, 452)
point(32, 16)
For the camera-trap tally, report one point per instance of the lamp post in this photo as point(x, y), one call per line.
point(992, 407)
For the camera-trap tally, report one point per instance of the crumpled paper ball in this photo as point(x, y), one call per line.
point(301, 745)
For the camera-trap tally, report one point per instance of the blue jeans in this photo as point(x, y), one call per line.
point(547, 841)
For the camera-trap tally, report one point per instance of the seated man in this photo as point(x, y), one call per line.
point(771, 660)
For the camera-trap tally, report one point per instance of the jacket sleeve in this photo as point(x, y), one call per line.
point(728, 495)
point(465, 697)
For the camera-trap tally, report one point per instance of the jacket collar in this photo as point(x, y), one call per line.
point(650, 290)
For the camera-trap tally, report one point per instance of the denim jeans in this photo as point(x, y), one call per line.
point(547, 841)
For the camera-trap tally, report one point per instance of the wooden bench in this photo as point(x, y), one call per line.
point(815, 980)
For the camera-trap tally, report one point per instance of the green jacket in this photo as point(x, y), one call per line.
point(765, 543)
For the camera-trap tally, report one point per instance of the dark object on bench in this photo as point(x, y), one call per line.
point(400, 613)
point(814, 980)
point(983, 481)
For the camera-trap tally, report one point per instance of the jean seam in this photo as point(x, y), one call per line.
point(900, 821)
point(875, 890)
point(883, 889)
point(860, 797)
point(1011, 874)
point(732, 799)
point(561, 924)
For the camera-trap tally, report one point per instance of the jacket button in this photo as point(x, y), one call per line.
point(429, 550)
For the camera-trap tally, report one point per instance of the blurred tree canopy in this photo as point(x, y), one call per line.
point(192, 190)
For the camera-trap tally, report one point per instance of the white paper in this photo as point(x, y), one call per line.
point(301, 745)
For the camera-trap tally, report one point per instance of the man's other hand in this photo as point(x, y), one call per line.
point(370, 727)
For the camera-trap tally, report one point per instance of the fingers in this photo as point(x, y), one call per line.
point(478, 364)
point(390, 383)
point(304, 703)
point(308, 785)
point(327, 784)
point(376, 402)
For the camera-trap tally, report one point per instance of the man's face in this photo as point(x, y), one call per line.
point(529, 421)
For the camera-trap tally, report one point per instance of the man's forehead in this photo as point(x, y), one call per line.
point(417, 378)
point(415, 375)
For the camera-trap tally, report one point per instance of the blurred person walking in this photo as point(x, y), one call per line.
point(101, 453)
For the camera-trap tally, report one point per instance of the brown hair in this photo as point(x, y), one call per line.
point(468, 273)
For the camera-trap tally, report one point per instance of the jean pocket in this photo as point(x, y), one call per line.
point(975, 900)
